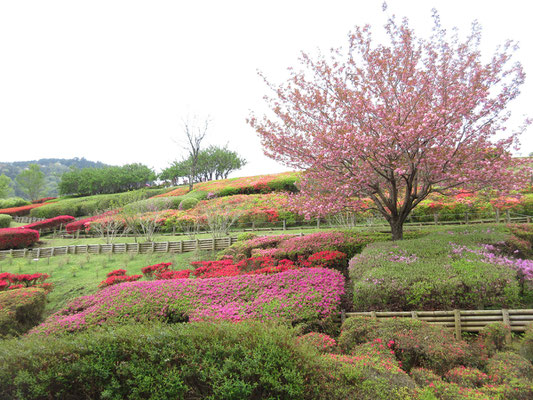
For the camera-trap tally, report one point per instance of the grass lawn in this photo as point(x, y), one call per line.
point(79, 275)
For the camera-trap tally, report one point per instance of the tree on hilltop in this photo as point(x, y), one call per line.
point(31, 181)
point(392, 123)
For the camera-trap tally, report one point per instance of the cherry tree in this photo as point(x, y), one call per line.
point(388, 124)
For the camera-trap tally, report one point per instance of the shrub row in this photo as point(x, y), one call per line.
point(298, 296)
point(43, 200)
point(84, 206)
point(5, 220)
point(50, 223)
point(20, 211)
point(13, 202)
point(16, 238)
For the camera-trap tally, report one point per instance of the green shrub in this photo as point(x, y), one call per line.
point(187, 203)
point(526, 344)
point(5, 220)
point(400, 276)
point(228, 191)
point(424, 376)
point(469, 377)
point(415, 343)
point(371, 372)
point(284, 183)
point(508, 366)
point(184, 361)
point(13, 202)
point(246, 236)
point(495, 337)
point(20, 310)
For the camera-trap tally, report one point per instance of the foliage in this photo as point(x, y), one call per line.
point(5, 186)
point(16, 238)
point(5, 220)
point(213, 163)
point(20, 211)
point(284, 182)
point(50, 223)
point(322, 342)
point(297, 296)
point(414, 342)
point(10, 281)
point(91, 181)
point(31, 181)
point(86, 206)
point(118, 276)
point(495, 337)
point(395, 122)
point(508, 366)
point(452, 271)
point(185, 361)
point(187, 203)
point(13, 202)
point(20, 309)
point(526, 344)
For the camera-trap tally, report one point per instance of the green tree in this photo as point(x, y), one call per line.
point(5, 186)
point(31, 181)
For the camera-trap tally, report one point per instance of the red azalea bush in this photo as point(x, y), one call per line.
point(329, 259)
point(19, 211)
point(16, 238)
point(50, 223)
point(229, 267)
point(118, 276)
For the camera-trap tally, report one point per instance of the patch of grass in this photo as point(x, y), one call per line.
point(79, 275)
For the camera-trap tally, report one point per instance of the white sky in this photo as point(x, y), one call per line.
point(111, 80)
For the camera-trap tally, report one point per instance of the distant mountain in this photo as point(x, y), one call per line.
point(53, 168)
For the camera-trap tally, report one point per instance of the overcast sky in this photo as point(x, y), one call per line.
point(111, 80)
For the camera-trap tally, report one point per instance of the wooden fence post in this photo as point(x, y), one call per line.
point(284, 225)
point(497, 215)
point(457, 320)
point(508, 216)
point(507, 322)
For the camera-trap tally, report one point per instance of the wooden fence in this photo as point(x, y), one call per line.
point(27, 220)
point(459, 320)
point(182, 246)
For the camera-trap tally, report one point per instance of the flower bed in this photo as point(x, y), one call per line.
point(43, 200)
point(20, 211)
point(83, 224)
point(303, 295)
point(16, 281)
point(284, 181)
point(14, 238)
point(50, 223)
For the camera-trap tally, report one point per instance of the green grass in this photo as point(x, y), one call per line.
point(79, 275)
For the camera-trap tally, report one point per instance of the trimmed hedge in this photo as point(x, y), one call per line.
point(17, 238)
point(13, 202)
point(5, 220)
point(444, 270)
point(20, 310)
point(20, 211)
point(50, 223)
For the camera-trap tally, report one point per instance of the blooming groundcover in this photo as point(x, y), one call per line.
point(298, 296)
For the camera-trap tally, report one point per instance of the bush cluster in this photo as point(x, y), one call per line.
point(21, 309)
point(5, 220)
point(13, 202)
point(16, 238)
point(20, 211)
point(85, 206)
point(50, 223)
point(453, 271)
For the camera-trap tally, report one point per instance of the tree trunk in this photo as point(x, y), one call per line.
point(396, 226)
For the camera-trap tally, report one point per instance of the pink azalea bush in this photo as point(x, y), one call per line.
point(301, 295)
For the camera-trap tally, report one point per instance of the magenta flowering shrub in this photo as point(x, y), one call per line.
point(322, 342)
point(302, 295)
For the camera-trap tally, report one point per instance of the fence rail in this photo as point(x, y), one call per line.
point(459, 320)
point(182, 246)
point(27, 220)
